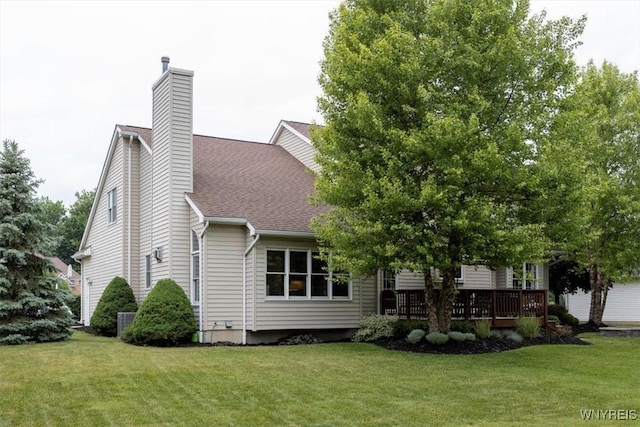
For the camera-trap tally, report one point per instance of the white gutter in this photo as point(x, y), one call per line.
point(244, 287)
point(200, 290)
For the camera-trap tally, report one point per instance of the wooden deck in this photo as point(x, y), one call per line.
point(501, 306)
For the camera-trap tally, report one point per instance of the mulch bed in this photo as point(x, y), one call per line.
point(488, 345)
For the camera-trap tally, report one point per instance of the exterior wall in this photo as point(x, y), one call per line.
point(407, 280)
point(145, 215)
point(623, 304)
point(106, 240)
point(172, 174)
point(299, 148)
point(222, 282)
point(476, 277)
point(307, 314)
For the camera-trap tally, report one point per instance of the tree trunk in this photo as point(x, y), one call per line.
point(439, 299)
point(598, 295)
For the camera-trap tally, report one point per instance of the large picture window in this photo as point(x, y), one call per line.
point(301, 274)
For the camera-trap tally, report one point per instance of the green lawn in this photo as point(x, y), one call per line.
point(91, 381)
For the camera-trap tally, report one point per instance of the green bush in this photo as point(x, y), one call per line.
point(483, 328)
point(74, 306)
point(457, 336)
point(463, 326)
point(437, 338)
point(415, 336)
point(470, 336)
point(374, 327)
point(403, 327)
point(117, 297)
point(563, 315)
point(528, 326)
point(512, 335)
point(165, 317)
point(552, 318)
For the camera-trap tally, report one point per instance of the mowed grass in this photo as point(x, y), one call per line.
point(93, 381)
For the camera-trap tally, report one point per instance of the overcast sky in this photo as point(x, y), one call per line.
point(69, 71)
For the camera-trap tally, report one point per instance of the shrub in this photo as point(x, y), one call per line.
point(470, 336)
point(403, 327)
point(497, 333)
point(415, 336)
point(74, 306)
point(374, 327)
point(483, 328)
point(437, 338)
point(457, 336)
point(528, 326)
point(512, 335)
point(165, 317)
point(461, 326)
point(563, 315)
point(552, 318)
point(117, 297)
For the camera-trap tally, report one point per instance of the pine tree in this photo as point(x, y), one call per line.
point(31, 308)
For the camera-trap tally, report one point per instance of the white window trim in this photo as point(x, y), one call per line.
point(147, 272)
point(195, 294)
point(309, 273)
point(459, 281)
point(536, 283)
point(112, 206)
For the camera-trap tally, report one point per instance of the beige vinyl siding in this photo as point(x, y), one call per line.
point(145, 214)
point(299, 148)
point(369, 300)
point(172, 174)
point(224, 248)
point(302, 314)
point(501, 278)
point(623, 304)
point(106, 240)
point(406, 280)
point(476, 277)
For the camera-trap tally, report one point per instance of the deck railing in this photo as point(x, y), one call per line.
point(501, 306)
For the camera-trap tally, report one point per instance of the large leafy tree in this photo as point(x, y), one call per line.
point(433, 111)
point(31, 308)
point(72, 226)
point(599, 130)
point(51, 214)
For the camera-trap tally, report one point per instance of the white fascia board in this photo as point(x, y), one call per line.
point(82, 254)
point(103, 177)
point(284, 125)
point(195, 208)
point(226, 221)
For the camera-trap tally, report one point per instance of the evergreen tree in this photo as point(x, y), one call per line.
point(31, 308)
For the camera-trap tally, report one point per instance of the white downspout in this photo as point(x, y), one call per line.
point(244, 286)
point(200, 290)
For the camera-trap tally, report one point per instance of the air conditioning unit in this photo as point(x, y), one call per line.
point(124, 320)
point(157, 254)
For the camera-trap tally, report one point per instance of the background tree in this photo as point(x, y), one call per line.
point(51, 214)
point(433, 110)
point(567, 277)
point(599, 128)
point(31, 308)
point(72, 226)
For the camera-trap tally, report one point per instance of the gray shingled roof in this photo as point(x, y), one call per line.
point(303, 128)
point(259, 182)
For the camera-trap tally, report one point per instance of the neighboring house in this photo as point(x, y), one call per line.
point(623, 304)
point(66, 273)
point(228, 220)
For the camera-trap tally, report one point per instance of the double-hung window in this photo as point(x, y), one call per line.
point(301, 274)
point(112, 206)
point(526, 277)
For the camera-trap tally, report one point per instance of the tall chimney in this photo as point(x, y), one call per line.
point(165, 64)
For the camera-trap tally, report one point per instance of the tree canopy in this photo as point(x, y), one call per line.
point(434, 111)
point(598, 129)
point(31, 308)
point(72, 225)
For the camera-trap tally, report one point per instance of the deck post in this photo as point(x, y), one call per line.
point(520, 303)
point(467, 305)
point(493, 307)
